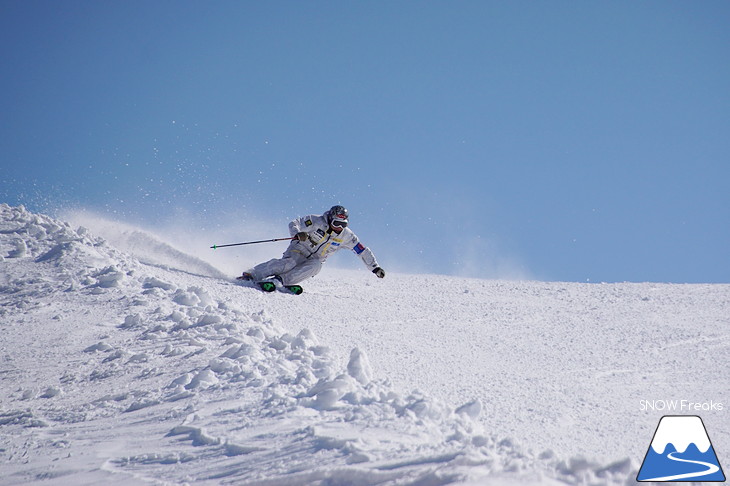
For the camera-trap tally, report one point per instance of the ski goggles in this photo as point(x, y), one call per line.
point(339, 223)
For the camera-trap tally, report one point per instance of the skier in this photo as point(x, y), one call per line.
point(315, 238)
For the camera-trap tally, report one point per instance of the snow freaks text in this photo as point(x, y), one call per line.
point(680, 406)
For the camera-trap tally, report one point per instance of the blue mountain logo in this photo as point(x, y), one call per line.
point(681, 451)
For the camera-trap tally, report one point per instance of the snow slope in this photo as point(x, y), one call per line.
point(123, 370)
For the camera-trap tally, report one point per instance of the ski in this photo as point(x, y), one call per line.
point(270, 285)
point(266, 286)
point(294, 289)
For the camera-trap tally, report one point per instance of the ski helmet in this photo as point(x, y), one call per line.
point(337, 216)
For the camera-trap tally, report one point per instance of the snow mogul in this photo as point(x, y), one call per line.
point(315, 237)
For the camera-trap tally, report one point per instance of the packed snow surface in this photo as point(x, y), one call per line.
point(123, 369)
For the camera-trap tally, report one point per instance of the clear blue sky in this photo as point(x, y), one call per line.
point(557, 140)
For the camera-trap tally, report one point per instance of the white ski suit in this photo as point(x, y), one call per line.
point(304, 259)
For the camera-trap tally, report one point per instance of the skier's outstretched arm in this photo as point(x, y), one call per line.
point(367, 256)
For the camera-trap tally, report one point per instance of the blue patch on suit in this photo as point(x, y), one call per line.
point(359, 248)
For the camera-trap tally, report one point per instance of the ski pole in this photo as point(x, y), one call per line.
point(253, 242)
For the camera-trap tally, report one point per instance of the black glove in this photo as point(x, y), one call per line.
point(302, 236)
point(379, 272)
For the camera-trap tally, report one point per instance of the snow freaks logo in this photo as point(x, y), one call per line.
point(681, 451)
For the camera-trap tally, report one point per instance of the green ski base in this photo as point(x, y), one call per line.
point(267, 286)
point(294, 289)
point(271, 287)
